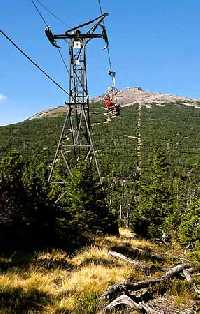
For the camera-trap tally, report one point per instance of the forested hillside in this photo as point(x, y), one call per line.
point(167, 188)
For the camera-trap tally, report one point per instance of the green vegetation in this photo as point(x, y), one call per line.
point(161, 202)
point(164, 199)
point(30, 216)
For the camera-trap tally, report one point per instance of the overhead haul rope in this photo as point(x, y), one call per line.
point(33, 62)
point(63, 61)
point(46, 25)
point(39, 13)
point(50, 11)
point(111, 72)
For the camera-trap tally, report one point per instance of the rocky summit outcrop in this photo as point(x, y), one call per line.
point(131, 96)
point(138, 95)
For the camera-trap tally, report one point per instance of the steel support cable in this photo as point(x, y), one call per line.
point(107, 48)
point(100, 6)
point(50, 11)
point(45, 23)
point(63, 60)
point(39, 13)
point(33, 62)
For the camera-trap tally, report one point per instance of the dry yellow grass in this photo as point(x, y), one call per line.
point(87, 276)
point(56, 283)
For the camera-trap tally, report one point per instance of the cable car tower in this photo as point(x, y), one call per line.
point(75, 143)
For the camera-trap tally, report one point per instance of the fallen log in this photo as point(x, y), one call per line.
point(127, 301)
point(193, 270)
point(124, 258)
point(134, 252)
point(124, 288)
point(175, 270)
point(187, 273)
point(142, 266)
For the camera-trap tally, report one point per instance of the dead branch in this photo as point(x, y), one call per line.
point(134, 252)
point(174, 271)
point(194, 270)
point(126, 300)
point(187, 273)
point(124, 288)
point(124, 258)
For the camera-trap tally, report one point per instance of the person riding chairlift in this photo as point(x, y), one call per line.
point(110, 104)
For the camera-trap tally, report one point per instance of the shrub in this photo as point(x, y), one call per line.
point(154, 200)
point(29, 216)
point(86, 201)
point(189, 230)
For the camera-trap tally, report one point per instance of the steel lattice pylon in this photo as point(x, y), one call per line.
point(75, 141)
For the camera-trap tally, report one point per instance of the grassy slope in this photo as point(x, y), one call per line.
point(53, 282)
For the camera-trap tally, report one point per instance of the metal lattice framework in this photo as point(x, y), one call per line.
point(75, 136)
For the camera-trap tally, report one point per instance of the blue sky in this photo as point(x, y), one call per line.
point(154, 44)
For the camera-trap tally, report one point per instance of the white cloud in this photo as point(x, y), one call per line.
point(2, 98)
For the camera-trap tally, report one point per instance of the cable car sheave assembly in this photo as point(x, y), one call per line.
point(77, 123)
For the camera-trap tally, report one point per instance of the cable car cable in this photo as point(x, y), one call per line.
point(33, 62)
point(46, 24)
point(39, 12)
point(50, 12)
point(100, 6)
point(107, 48)
point(63, 60)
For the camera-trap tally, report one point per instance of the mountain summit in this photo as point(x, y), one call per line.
point(128, 97)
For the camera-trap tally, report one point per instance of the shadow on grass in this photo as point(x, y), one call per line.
point(49, 263)
point(131, 252)
point(21, 259)
point(16, 300)
point(98, 261)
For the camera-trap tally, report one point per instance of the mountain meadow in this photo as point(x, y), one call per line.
point(130, 245)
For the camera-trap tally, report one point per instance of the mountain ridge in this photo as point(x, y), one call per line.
point(129, 97)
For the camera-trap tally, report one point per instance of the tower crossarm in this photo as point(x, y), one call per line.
point(79, 37)
point(76, 35)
